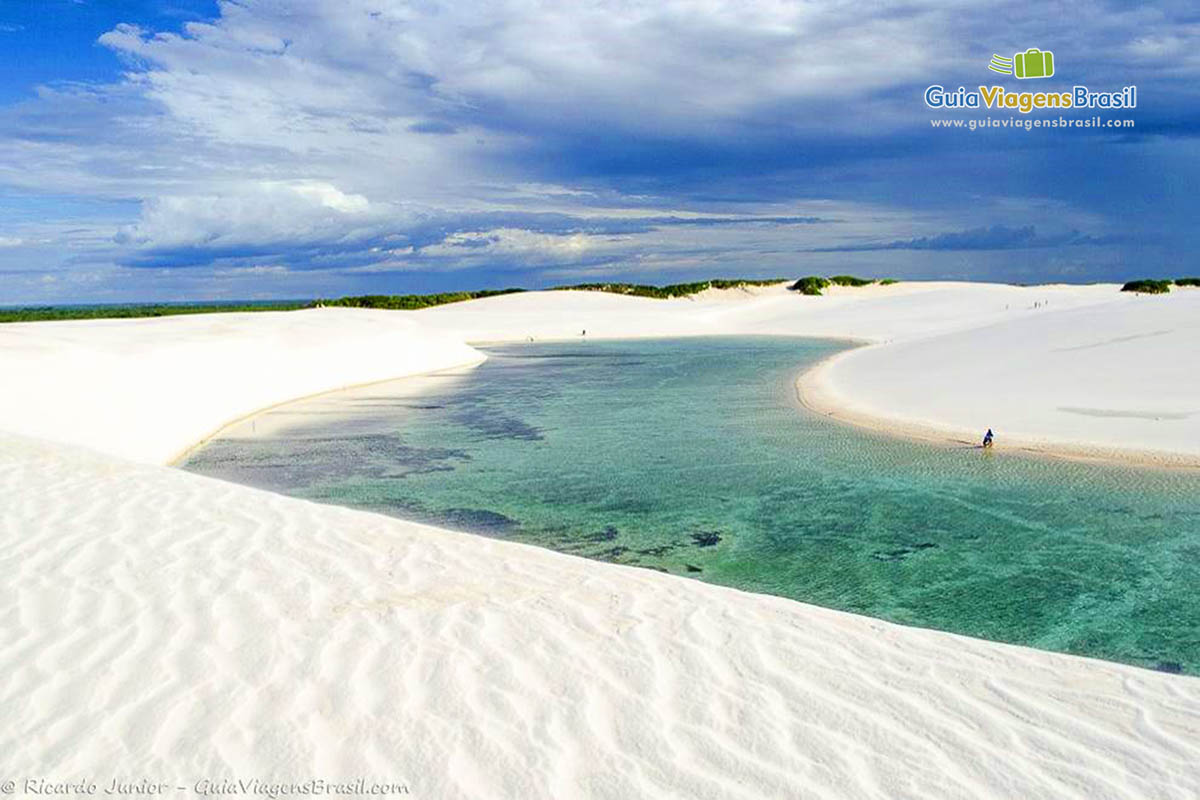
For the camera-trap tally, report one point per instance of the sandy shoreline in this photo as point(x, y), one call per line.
point(164, 624)
point(180, 457)
point(152, 389)
point(815, 393)
point(1102, 383)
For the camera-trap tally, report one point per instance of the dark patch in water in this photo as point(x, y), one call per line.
point(706, 538)
point(612, 553)
point(658, 552)
point(384, 403)
point(425, 470)
point(692, 568)
point(606, 535)
point(1173, 667)
point(497, 425)
point(479, 520)
point(302, 461)
point(564, 356)
point(902, 553)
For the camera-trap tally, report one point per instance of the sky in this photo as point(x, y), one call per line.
point(256, 149)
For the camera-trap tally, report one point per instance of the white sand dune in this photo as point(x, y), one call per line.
point(148, 389)
point(1110, 380)
point(163, 625)
point(167, 625)
point(873, 313)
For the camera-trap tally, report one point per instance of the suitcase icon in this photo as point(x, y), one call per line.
point(1034, 63)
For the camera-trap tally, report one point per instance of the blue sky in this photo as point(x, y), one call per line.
point(261, 148)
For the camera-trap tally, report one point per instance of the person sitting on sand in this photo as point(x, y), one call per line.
point(987, 438)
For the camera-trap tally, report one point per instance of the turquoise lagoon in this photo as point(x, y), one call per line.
point(692, 457)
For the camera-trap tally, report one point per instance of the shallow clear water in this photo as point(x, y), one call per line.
point(691, 456)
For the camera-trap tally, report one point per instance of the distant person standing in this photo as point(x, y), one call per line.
point(987, 438)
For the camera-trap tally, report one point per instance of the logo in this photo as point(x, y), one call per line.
point(1033, 63)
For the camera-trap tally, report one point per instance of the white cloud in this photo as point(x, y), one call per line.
point(328, 196)
point(258, 270)
point(246, 215)
point(510, 242)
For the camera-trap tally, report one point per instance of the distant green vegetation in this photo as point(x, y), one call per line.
point(1147, 287)
point(811, 284)
point(669, 291)
point(402, 302)
point(815, 284)
point(49, 313)
point(1158, 287)
point(850, 280)
point(411, 302)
